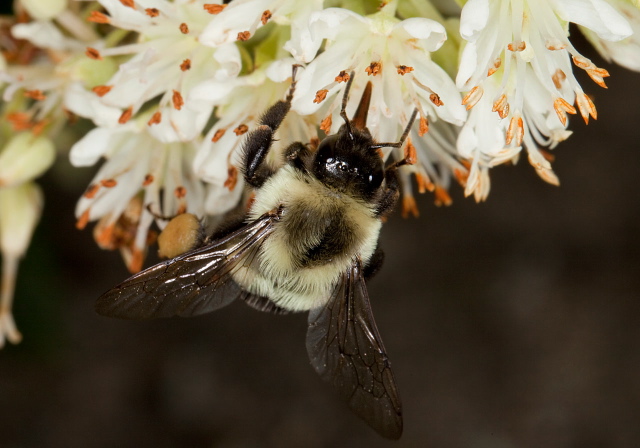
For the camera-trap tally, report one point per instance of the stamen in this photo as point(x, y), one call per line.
point(232, 178)
point(101, 90)
point(213, 8)
point(558, 78)
point(517, 46)
point(91, 192)
point(472, 97)
point(562, 107)
point(515, 130)
point(137, 260)
point(186, 65)
point(218, 135)
point(586, 107)
point(156, 118)
point(184, 28)
point(373, 68)
point(98, 17)
point(320, 95)
point(424, 183)
point(35, 94)
point(423, 127)
point(126, 115)
point(496, 65)
point(178, 102)
point(180, 192)
point(461, 175)
point(109, 183)
point(241, 129)
point(409, 206)
point(93, 54)
point(128, 3)
point(325, 125)
point(442, 197)
point(404, 69)
point(343, 76)
point(148, 179)
point(435, 99)
point(244, 35)
point(410, 153)
point(152, 12)
point(266, 15)
point(501, 105)
point(83, 220)
point(595, 73)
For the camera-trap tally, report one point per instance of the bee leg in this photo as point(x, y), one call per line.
point(258, 142)
point(390, 194)
point(374, 264)
point(296, 155)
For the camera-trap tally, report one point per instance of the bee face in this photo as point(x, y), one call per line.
point(346, 163)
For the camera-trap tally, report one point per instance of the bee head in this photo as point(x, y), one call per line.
point(348, 164)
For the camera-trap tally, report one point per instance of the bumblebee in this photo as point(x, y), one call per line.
point(308, 242)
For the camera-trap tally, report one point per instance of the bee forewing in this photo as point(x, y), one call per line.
point(345, 348)
point(194, 283)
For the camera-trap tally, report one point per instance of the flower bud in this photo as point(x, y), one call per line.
point(24, 158)
point(20, 209)
point(44, 9)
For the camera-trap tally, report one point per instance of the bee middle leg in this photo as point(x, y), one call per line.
point(259, 141)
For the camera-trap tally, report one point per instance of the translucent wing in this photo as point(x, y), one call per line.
point(345, 348)
point(194, 283)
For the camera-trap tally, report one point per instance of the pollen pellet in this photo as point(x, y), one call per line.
point(241, 129)
point(320, 96)
point(179, 235)
point(180, 192)
point(213, 8)
point(244, 35)
point(218, 135)
point(152, 12)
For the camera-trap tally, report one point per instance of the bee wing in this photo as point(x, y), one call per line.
point(345, 349)
point(194, 283)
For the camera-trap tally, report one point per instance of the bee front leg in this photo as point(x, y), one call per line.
point(259, 141)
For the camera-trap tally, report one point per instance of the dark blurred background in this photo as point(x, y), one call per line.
point(513, 323)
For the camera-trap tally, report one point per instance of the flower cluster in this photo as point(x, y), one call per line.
point(170, 88)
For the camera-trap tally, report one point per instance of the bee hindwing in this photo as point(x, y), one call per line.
point(345, 349)
point(196, 282)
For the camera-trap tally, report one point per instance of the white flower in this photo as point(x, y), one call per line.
point(239, 21)
point(394, 56)
point(141, 176)
point(239, 106)
point(167, 61)
point(517, 63)
point(625, 52)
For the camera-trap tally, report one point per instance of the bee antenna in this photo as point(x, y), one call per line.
point(404, 136)
point(345, 98)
